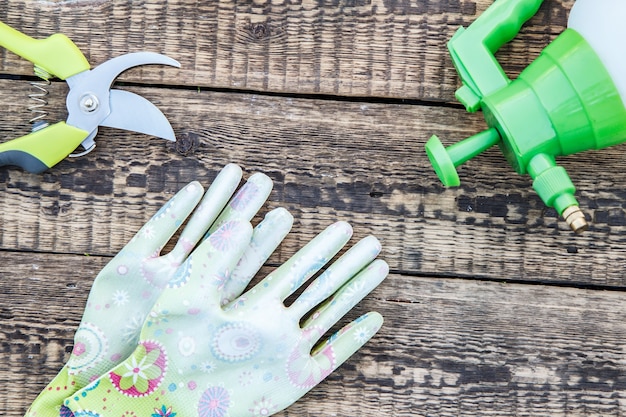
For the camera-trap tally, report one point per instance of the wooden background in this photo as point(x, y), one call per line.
point(493, 307)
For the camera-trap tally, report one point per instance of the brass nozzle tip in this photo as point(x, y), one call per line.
point(575, 218)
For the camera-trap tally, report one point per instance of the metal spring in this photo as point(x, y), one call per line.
point(39, 92)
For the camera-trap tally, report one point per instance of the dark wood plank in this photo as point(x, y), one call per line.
point(448, 347)
point(381, 48)
point(470, 330)
point(330, 160)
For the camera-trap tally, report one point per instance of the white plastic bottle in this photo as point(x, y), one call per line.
point(602, 24)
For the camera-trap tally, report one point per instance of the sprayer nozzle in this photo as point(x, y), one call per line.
point(575, 218)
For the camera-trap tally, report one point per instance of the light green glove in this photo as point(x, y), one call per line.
point(252, 357)
point(125, 290)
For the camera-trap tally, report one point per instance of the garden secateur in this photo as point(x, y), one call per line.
point(570, 99)
point(90, 102)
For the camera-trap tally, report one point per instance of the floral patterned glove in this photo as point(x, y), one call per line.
point(253, 356)
point(125, 290)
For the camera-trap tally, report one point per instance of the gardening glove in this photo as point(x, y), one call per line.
point(252, 357)
point(124, 292)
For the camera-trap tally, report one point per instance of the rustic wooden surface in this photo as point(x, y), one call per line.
point(493, 308)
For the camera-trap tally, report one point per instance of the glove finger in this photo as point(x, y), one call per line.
point(265, 239)
point(286, 279)
point(247, 202)
point(342, 270)
point(161, 227)
point(212, 204)
point(206, 271)
point(343, 344)
point(346, 298)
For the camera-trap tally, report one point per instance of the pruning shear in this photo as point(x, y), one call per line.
point(90, 102)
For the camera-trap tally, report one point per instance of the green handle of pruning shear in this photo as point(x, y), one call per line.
point(42, 149)
point(472, 49)
point(57, 54)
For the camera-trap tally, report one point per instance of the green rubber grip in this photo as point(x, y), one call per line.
point(472, 49)
point(57, 54)
point(40, 150)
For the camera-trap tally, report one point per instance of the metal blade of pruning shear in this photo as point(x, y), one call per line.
point(90, 101)
point(130, 111)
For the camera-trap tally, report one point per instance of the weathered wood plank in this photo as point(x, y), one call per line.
point(448, 347)
point(379, 48)
point(330, 160)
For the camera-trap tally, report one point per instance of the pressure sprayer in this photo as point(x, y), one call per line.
point(570, 99)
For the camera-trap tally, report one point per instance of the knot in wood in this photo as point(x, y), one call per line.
point(259, 30)
point(187, 143)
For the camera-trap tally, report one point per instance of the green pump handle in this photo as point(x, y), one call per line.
point(472, 49)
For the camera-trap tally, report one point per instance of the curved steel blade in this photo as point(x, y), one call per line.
point(130, 111)
point(88, 101)
point(105, 73)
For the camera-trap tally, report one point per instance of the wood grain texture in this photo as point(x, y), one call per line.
point(493, 307)
point(448, 347)
point(377, 48)
point(329, 160)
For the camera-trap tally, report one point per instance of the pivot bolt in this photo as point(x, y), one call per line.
point(89, 103)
